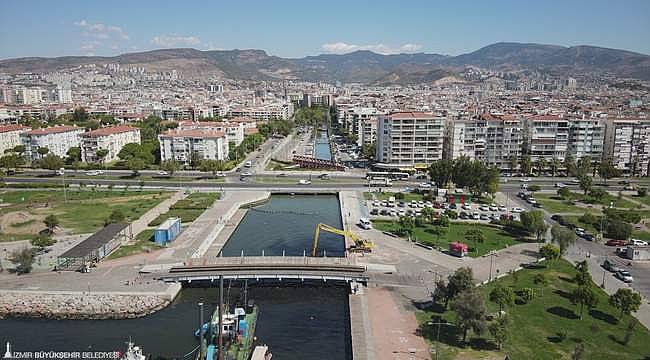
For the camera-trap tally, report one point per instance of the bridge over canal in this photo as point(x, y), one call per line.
point(274, 268)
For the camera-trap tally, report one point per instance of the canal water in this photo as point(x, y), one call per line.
point(296, 322)
point(322, 146)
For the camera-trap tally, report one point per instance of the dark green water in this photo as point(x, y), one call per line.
point(297, 323)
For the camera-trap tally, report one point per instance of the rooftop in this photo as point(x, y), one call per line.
point(193, 133)
point(110, 130)
point(55, 130)
point(95, 241)
point(13, 127)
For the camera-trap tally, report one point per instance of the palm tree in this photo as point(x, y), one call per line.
point(513, 163)
point(541, 165)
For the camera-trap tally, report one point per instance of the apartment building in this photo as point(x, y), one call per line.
point(180, 144)
point(264, 112)
point(410, 138)
point(112, 139)
point(586, 138)
point(547, 136)
point(57, 139)
point(360, 121)
point(235, 131)
point(10, 136)
point(491, 139)
point(627, 145)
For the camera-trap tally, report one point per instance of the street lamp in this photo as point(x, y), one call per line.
point(201, 329)
point(438, 333)
point(65, 195)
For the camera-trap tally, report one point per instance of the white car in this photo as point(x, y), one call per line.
point(163, 173)
point(503, 208)
point(636, 242)
point(93, 172)
point(560, 185)
point(624, 276)
point(517, 210)
point(303, 182)
point(526, 180)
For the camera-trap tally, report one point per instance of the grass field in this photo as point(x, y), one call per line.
point(548, 327)
point(143, 242)
point(553, 204)
point(83, 211)
point(643, 199)
point(188, 209)
point(641, 235)
point(496, 238)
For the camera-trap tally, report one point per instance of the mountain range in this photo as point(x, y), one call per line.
point(360, 66)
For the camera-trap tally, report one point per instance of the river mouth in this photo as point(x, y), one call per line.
point(297, 322)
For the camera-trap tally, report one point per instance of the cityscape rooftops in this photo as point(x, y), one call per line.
point(193, 133)
point(411, 115)
point(13, 127)
point(110, 131)
point(55, 130)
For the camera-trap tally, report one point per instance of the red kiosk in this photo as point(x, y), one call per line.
point(458, 249)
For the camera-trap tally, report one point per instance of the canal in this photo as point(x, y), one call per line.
point(296, 322)
point(322, 145)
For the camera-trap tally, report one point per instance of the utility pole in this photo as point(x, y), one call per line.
point(65, 195)
point(201, 330)
point(220, 314)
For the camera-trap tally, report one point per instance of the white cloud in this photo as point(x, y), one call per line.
point(175, 40)
point(343, 48)
point(102, 31)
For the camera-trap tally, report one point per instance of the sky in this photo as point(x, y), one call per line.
point(291, 28)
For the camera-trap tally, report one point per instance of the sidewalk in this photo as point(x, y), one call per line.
point(143, 222)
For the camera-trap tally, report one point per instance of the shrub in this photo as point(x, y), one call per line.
point(527, 295)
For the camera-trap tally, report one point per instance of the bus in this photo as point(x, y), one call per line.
point(394, 175)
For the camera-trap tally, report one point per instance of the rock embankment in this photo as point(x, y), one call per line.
point(79, 305)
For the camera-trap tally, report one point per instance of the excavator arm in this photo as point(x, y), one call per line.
point(361, 244)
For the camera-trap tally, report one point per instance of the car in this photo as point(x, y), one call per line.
point(575, 181)
point(246, 173)
point(383, 212)
point(60, 172)
point(636, 242)
point(624, 182)
point(376, 203)
point(610, 266)
point(484, 208)
point(614, 242)
point(93, 173)
point(517, 210)
point(531, 200)
point(467, 207)
point(163, 173)
point(484, 217)
point(424, 185)
point(463, 215)
point(624, 276)
point(401, 204)
point(556, 217)
point(537, 205)
point(401, 212)
point(494, 208)
point(524, 186)
point(324, 176)
point(304, 182)
point(452, 206)
point(282, 175)
point(374, 211)
point(476, 216)
point(560, 185)
point(525, 179)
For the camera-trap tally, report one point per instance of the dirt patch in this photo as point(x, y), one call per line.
point(21, 222)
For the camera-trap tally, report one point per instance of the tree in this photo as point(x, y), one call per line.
point(563, 237)
point(597, 193)
point(142, 151)
point(73, 154)
point(618, 229)
point(441, 292)
point(526, 164)
point(51, 162)
point(626, 300)
point(513, 162)
point(42, 151)
point(527, 294)
point(550, 252)
point(540, 279)
point(171, 166)
point(555, 165)
point(606, 170)
point(570, 164)
point(541, 164)
point(441, 172)
point(502, 295)
point(51, 221)
point(135, 165)
point(428, 213)
point(11, 161)
point(585, 182)
point(406, 224)
point(564, 193)
point(584, 296)
point(533, 222)
point(470, 312)
point(439, 231)
point(79, 115)
point(499, 329)
point(578, 352)
point(195, 160)
point(459, 281)
point(582, 276)
point(116, 216)
point(101, 154)
point(212, 166)
point(42, 241)
point(475, 236)
point(368, 150)
point(23, 259)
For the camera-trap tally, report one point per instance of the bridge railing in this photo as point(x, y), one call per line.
point(272, 260)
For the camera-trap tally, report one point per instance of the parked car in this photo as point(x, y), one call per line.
point(163, 173)
point(304, 182)
point(374, 211)
point(616, 242)
point(560, 185)
point(624, 276)
point(636, 242)
point(517, 210)
point(610, 266)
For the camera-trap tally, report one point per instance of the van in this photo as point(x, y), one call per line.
point(365, 224)
point(248, 164)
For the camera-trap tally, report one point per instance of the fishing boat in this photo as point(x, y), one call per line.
point(133, 352)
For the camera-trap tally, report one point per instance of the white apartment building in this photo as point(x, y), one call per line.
point(360, 121)
point(112, 139)
point(57, 139)
point(179, 145)
point(10, 136)
point(264, 112)
point(410, 138)
point(548, 137)
point(627, 145)
point(586, 138)
point(491, 139)
point(235, 131)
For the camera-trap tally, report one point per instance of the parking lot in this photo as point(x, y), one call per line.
point(470, 212)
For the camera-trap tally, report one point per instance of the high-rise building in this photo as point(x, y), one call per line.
point(627, 145)
point(547, 137)
point(112, 139)
point(181, 145)
point(586, 138)
point(57, 139)
point(410, 138)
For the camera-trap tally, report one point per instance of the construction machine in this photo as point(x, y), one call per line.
point(360, 245)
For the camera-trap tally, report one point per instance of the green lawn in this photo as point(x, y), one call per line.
point(553, 204)
point(643, 199)
point(537, 328)
point(387, 194)
point(188, 209)
point(497, 238)
point(588, 227)
point(144, 242)
point(641, 235)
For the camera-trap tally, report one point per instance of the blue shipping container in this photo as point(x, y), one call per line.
point(167, 231)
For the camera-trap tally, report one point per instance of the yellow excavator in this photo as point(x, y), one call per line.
point(361, 245)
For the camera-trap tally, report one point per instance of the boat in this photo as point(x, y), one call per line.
point(133, 352)
point(238, 330)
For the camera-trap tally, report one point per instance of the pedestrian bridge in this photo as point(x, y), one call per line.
point(269, 268)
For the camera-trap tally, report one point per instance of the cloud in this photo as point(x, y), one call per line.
point(343, 48)
point(175, 40)
point(102, 31)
